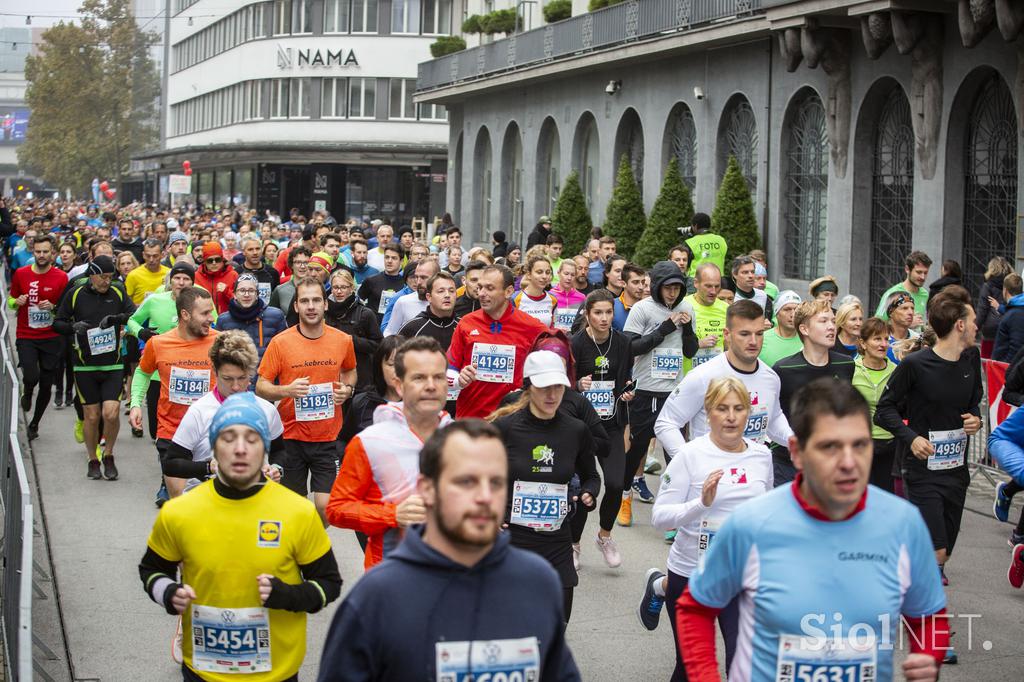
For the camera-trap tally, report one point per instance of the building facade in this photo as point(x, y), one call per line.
point(303, 104)
point(864, 129)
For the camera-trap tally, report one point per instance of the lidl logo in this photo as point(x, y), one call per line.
point(269, 534)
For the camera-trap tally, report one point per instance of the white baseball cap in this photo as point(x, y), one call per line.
point(786, 297)
point(544, 368)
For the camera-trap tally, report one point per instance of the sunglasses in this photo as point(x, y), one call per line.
point(213, 259)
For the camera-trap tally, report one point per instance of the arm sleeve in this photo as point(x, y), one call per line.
point(320, 586)
point(671, 508)
point(889, 413)
point(158, 577)
point(350, 504)
point(680, 407)
point(138, 319)
point(695, 625)
point(178, 463)
point(140, 385)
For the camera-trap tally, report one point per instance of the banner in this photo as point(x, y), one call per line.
point(998, 409)
point(180, 184)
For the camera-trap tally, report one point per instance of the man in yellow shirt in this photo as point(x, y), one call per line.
point(254, 560)
point(148, 277)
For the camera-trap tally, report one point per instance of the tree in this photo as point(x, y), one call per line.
point(445, 45)
point(571, 219)
point(624, 217)
point(733, 217)
point(672, 210)
point(92, 90)
point(557, 10)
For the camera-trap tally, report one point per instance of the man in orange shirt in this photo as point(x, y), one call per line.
point(182, 358)
point(311, 369)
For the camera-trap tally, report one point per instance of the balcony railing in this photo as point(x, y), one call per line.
point(619, 24)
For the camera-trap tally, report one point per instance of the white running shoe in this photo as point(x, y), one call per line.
point(576, 555)
point(610, 551)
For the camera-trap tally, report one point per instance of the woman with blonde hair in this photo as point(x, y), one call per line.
point(990, 297)
point(700, 488)
point(849, 318)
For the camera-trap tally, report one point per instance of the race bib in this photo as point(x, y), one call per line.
point(494, 362)
point(564, 317)
point(263, 288)
point(708, 528)
point(101, 340)
point(666, 363)
point(601, 395)
point(39, 318)
point(950, 447)
point(541, 506)
point(188, 385)
point(500, 660)
point(230, 640)
point(757, 424)
point(385, 300)
point(806, 659)
point(317, 404)
point(705, 354)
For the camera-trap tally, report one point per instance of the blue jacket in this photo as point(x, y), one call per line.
point(391, 623)
point(1006, 445)
point(1010, 335)
point(261, 325)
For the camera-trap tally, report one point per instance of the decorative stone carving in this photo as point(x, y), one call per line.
point(549, 41)
point(789, 47)
point(1010, 18)
point(921, 36)
point(632, 19)
point(831, 48)
point(976, 19)
point(588, 30)
point(876, 32)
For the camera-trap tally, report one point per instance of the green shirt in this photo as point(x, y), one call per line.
point(708, 319)
point(871, 383)
point(920, 301)
point(775, 347)
point(771, 289)
point(707, 247)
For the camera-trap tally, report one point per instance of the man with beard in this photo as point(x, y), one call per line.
point(411, 305)
point(361, 270)
point(468, 302)
point(456, 558)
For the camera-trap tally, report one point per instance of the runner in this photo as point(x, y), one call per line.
point(410, 305)
point(181, 359)
point(604, 360)
point(247, 312)
point(567, 299)
point(769, 551)
point(438, 322)
point(916, 266)
point(345, 313)
point(632, 293)
point(94, 312)
point(743, 274)
point(267, 278)
point(931, 405)
point(284, 295)
point(704, 244)
point(709, 315)
point(378, 290)
point(849, 319)
point(456, 558)
point(816, 326)
point(546, 448)
point(148, 277)
point(469, 301)
point(872, 369)
point(215, 276)
point(782, 340)
point(1005, 445)
point(311, 369)
point(900, 314)
point(533, 298)
point(253, 560)
point(712, 475)
point(374, 492)
point(490, 345)
point(410, 278)
point(35, 292)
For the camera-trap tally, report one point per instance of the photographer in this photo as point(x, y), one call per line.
point(705, 246)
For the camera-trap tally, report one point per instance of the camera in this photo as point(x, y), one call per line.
point(687, 231)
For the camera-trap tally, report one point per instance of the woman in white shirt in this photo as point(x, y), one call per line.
point(709, 478)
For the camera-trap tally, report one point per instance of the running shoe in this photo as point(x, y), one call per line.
point(642, 491)
point(950, 657)
point(94, 470)
point(33, 431)
point(1001, 505)
point(1015, 539)
point(610, 551)
point(649, 611)
point(26, 402)
point(162, 495)
point(58, 402)
point(625, 517)
point(652, 466)
point(670, 537)
point(1016, 573)
point(109, 468)
point(176, 652)
point(69, 399)
point(576, 555)
point(79, 431)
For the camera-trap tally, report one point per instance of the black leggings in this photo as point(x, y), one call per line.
point(643, 412)
point(65, 378)
point(615, 481)
point(881, 464)
point(1011, 489)
point(567, 602)
point(38, 361)
point(728, 621)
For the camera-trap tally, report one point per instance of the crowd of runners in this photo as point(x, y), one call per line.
point(463, 410)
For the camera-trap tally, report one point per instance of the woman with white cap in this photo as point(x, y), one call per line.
point(546, 448)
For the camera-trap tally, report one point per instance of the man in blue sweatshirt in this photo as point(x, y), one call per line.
point(455, 600)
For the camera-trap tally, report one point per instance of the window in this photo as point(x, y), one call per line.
point(362, 93)
point(405, 16)
point(303, 16)
point(282, 17)
point(437, 17)
point(298, 98)
point(257, 21)
point(254, 90)
point(401, 98)
point(279, 98)
point(806, 191)
point(739, 135)
point(332, 98)
point(336, 15)
point(364, 16)
point(432, 112)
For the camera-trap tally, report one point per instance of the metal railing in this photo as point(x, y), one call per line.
point(17, 506)
point(622, 23)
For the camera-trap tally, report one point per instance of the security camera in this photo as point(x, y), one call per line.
point(698, 92)
point(613, 87)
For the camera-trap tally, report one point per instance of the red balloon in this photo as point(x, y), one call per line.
point(187, 166)
point(104, 186)
point(188, 171)
point(109, 193)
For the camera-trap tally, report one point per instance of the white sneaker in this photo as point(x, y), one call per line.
point(176, 653)
point(576, 555)
point(610, 551)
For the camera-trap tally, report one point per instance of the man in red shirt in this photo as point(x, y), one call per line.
point(490, 346)
point(35, 291)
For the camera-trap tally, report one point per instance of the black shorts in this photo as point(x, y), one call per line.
point(940, 497)
point(100, 386)
point(317, 462)
point(41, 353)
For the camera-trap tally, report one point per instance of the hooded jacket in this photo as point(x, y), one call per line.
point(209, 281)
point(378, 472)
point(260, 321)
point(1010, 334)
point(359, 322)
point(419, 607)
point(649, 327)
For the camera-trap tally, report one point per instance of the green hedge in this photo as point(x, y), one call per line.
point(447, 45)
point(557, 10)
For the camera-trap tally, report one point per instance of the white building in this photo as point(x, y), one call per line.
point(303, 104)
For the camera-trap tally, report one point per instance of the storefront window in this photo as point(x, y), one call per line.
point(243, 187)
point(222, 191)
point(205, 197)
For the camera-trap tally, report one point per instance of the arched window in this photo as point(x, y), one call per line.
point(482, 181)
point(587, 151)
point(681, 137)
point(629, 141)
point(892, 193)
point(990, 179)
point(738, 137)
point(457, 167)
point(549, 161)
point(512, 184)
point(806, 191)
